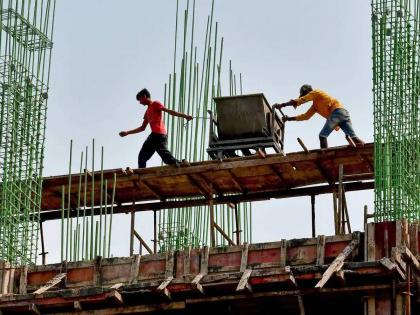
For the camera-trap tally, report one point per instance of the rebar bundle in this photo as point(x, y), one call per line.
point(191, 90)
point(396, 87)
point(84, 236)
point(26, 30)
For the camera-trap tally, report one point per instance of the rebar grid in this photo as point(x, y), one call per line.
point(26, 31)
point(396, 87)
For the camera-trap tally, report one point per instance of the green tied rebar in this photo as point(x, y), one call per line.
point(396, 94)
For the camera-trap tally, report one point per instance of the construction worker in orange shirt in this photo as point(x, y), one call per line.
point(325, 105)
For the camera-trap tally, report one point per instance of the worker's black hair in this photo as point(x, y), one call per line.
point(142, 93)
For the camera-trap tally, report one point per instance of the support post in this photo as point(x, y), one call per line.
point(43, 253)
point(237, 232)
point(211, 209)
point(154, 233)
point(335, 212)
point(133, 218)
point(313, 215)
point(340, 200)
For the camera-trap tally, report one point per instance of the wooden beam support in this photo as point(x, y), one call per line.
point(142, 242)
point(226, 237)
point(197, 184)
point(408, 256)
point(51, 283)
point(243, 283)
point(236, 182)
point(134, 271)
point(280, 176)
point(338, 263)
point(143, 182)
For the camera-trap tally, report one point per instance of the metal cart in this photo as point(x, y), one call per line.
point(244, 123)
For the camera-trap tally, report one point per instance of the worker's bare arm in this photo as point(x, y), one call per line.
point(136, 130)
point(177, 114)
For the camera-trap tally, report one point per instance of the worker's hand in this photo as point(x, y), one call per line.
point(280, 105)
point(287, 118)
point(123, 133)
point(293, 103)
point(188, 117)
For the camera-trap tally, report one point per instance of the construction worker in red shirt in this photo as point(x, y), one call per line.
point(157, 141)
point(325, 105)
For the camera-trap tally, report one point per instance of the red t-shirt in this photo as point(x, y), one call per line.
point(154, 117)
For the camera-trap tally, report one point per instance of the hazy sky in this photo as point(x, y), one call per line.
point(106, 50)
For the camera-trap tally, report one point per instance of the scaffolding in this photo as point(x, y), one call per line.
point(26, 30)
point(396, 87)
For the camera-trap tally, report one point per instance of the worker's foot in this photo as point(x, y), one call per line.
point(358, 142)
point(184, 162)
point(323, 142)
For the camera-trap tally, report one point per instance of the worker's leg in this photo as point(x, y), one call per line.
point(331, 123)
point(147, 150)
point(162, 150)
point(347, 127)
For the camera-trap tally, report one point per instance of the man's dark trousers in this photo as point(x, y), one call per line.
point(155, 142)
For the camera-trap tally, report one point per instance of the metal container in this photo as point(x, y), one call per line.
point(242, 116)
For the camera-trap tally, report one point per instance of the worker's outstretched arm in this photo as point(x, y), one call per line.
point(299, 101)
point(311, 111)
point(177, 114)
point(136, 130)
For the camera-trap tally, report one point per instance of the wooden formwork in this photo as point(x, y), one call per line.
point(372, 273)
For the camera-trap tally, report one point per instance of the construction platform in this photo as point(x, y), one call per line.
point(374, 272)
point(259, 177)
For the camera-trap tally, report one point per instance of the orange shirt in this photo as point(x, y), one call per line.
point(153, 116)
point(322, 104)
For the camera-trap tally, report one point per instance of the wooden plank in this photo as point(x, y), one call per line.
point(244, 257)
point(51, 283)
point(198, 185)
point(161, 174)
point(211, 166)
point(243, 283)
point(11, 288)
point(414, 239)
point(187, 261)
point(23, 280)
point(150, 189)
point(387, 263)
point(283, 253)
point(142, 241)
point(169, 267)
point(4, 277)
point(300, 303)
point(337, 264)
point(370, 254)
point(137, 309)
point(134, 270)
point(236, 182)
point(409, 257)
point(165, 283)
point(320, 250)
point(97, 273)
point(220, 230)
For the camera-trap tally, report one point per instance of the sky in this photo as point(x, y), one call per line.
point(105, 51)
